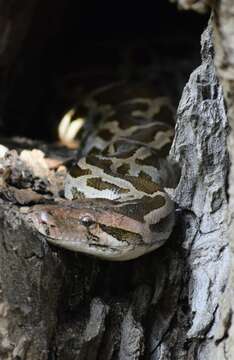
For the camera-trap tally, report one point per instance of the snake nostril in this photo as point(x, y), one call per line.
point(44, 217)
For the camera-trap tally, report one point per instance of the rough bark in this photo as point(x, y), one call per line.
point(200, 145)
point(224, 59)
point(57, 304)
point(223, 39)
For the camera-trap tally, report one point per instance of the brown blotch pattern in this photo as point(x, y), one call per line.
point(145, 176)
point(75, 171)
point(123, 169)
point(99, 184)
point(122, 235)
point(119, 96)
point(76, 194)
point(138, 209)
point(147, 135)
point(142, 183)
point(103, 164)
point(155, 158)
point(124, 150)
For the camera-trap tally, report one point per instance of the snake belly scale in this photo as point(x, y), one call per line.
point(117, 205)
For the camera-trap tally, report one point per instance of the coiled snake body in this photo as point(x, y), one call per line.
point(118, 207)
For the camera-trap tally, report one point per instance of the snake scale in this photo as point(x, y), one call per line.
point(118, 207)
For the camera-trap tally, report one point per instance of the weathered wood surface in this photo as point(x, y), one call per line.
point(223, 23)
point(223, 39)
point(200, 145)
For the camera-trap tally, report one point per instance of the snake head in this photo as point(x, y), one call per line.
point(99, 229)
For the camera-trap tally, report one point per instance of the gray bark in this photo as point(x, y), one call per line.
point(223, 39)
point(200, 145)
point(224, 59)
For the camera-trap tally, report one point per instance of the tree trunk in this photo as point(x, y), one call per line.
point(224, 60)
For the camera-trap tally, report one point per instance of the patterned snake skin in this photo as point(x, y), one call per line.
point(118, 207)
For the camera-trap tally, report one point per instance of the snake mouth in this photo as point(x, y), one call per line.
point(103, 252)
point(82, 245)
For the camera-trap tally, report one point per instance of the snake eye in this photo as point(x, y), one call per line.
point(87, 221)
